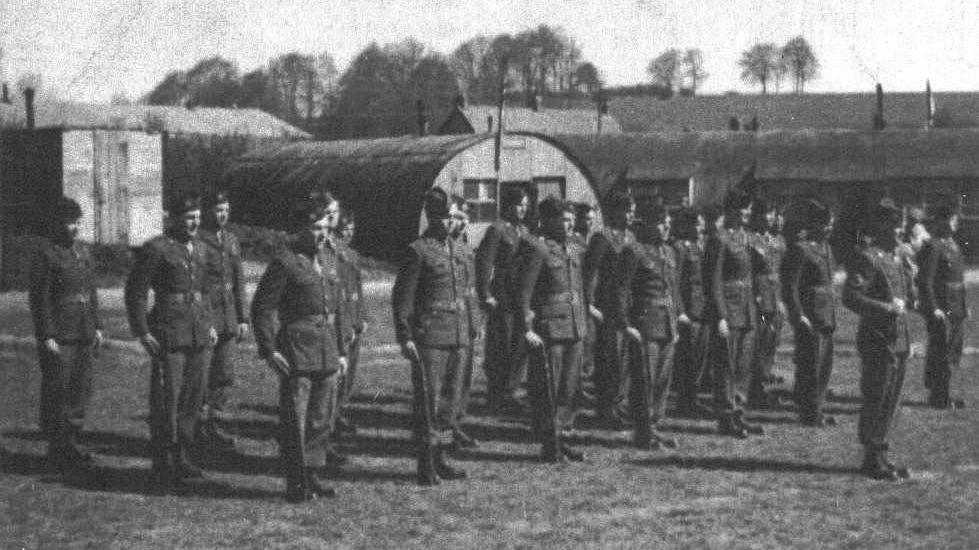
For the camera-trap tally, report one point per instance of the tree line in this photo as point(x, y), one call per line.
point(391, 89)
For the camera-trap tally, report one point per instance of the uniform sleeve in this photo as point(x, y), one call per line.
point(238, 283)
point(791, 277)
point(138, 285)
point(717, 277)
point(624, 274)
point(485, 260)
point(403, 296)
point(40, 297)
point(530, 259)
point(856, 290)
point(265, 306)
point(928, 259)
point(597, 248)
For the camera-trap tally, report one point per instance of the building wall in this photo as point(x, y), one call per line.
point(522, 159)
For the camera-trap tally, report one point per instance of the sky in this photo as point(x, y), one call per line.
point(90, 50)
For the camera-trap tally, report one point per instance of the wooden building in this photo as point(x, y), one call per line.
point(383, 180)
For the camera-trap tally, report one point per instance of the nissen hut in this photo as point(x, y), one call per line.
point(382, 180)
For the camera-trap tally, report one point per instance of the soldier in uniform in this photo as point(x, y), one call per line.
point(435, 313)
point(64, 304)
point(178, 334)
point(878, 289)
point(731, 290)
point(769, 248)
point(941, 289)
point(807, 291)
point(553, 320)
point(503, 363)
point(300, 292)
point(352, 293)
point(226, 284)
point(459, 232)
point(649, 310)
point(583, 230)
point(601, 260)
point(691, 350)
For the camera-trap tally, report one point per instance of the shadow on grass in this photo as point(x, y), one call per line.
point(735, 464)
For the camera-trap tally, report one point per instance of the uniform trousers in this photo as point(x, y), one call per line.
point(307, 407)
point(691, 359)
point(177, 388)
point(221, 375)
point(611, 369)
point(650, 371)
point(732, 369)
point(556, 364)
point(943, 355)
point(813, 368)
point(767, 335)
point(881, 380)
point(504, 361)
point(66, 389)
point(438, 393)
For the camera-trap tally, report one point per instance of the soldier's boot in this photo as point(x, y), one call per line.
point(344, 426)
point(690, 407)
point(298, 491)
point(444, 470)
point(726, 425)
point(667, 441)
point(427, 474)
point(902, 471)
point(552, 453)
point(183, 468)
point(753, 429)
point(214, 439)
point(571, 453)
point(316, 487)
point(462, 440)
point(163, 478)
point(874, 467)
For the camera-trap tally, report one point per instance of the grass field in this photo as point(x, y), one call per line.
point(793, 488)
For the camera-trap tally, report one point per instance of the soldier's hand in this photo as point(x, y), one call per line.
point(683, 319)
point(277, 362)
point(633, 333)
point(596, 313)
point(723, 329)
point(939, 315)
point(99, 340)
point(150, 344)
point(533, 339)
point(52, 346)
point(805, 322)
point(782, 309)
point(242, 332)
point(362, 328)
point(409, 350)
point(344, 365)
point(898, 306)
point(490, 302)
point(212, 336)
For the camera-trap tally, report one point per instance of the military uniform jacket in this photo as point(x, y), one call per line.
point(495, 262)
point(225, 280)
point(878, 276)
point(647, 294)
point(551, 289)
point(731, 286)
point(807, 284)
point(180, 316)
point(351, 291)
point(434, 299)
point(63, 298)
point(941, 281)
point(305, 301)
point(769, 252)
point(690, 278)
point(601, 260)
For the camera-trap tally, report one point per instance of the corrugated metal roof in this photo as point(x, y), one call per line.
point(788, 111)
point(203, 120)
point(825, 156)
point(544, 121)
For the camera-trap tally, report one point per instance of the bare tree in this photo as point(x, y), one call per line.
point(801, 62)
point(760, 65)
point(665, 69)
point(693, 69)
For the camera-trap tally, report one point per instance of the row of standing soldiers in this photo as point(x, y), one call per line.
point(650, 311)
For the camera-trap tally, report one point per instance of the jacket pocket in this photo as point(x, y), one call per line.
point(556, 321)
point(305, 347)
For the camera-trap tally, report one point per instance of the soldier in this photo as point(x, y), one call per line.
point(878, 289)
point(584, 229)
point(435, 314)
point(649, 310)
point(503, 363)
point(353, 329)
point(553, 320)
point(226, 286)
point(178, 334)
point(769, 249)
point(459, 232)
point(731, 290)
point(301, 290)
point(807, 291)
point(65, 307)
point(601, 261)
point(941, 285)
point(691, 350)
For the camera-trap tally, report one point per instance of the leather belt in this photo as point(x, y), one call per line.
point(182, 297)
point(562, 298)
point(316, 318)
point(737, 282)
point(74, 298)
point(445, 305)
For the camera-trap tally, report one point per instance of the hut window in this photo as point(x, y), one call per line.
point(481, 195)
point(548, 186)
